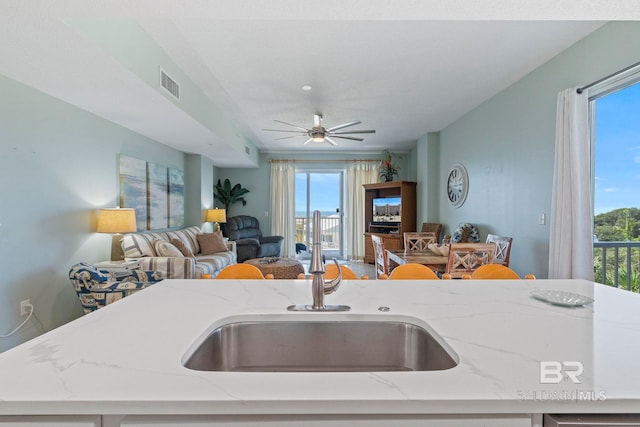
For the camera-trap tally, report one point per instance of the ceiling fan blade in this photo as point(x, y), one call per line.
point(346, 137)
point(289, 124)
point(329, 140)
point(308, 141)
point(344, 125)
point(282, 130)
point(352, 131)
point(287, 137)
point(317, 120)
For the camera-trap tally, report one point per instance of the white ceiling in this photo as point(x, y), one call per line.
point(403, 68)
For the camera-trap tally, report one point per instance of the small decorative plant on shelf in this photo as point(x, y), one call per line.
point(388, 169)
point(228, 195)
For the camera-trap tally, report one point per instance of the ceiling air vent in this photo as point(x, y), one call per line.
point(169, 84)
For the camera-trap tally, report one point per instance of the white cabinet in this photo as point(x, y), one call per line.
point(50, 421)
point(321, 421)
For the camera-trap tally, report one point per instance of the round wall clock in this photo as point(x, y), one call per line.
point(457, 185)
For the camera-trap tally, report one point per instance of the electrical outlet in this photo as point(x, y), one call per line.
point(25, 307)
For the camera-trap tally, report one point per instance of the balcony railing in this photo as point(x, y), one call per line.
point(329, 228)
point(617, 264)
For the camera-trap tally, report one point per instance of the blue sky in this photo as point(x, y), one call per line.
point(324, 190)
point(617, 152)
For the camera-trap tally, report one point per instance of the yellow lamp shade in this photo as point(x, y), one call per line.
point(116, 220)
point(216, 215)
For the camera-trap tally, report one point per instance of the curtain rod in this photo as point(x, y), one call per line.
point(583, 88)
point(322, 161)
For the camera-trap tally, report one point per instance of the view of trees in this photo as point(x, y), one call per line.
point(619, 225)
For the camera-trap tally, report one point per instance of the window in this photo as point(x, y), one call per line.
point(615, 113)
point(319, 190)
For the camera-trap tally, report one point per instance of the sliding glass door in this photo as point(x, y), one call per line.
point(319, 190)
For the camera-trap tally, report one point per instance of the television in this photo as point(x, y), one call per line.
point(387, 209)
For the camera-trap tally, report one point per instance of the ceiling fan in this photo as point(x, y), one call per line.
point(319, 134)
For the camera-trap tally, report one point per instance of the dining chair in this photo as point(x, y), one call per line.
point(432, 227)
point(495, 271)
point(242, 271)
point(331, 271)
point(418, 241)
point(465, 258)
point(380, 256)
point(412, 271)
point(503, 248)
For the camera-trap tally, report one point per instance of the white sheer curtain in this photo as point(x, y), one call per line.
point(571, 240)
point(358, 174)
point(283, 216)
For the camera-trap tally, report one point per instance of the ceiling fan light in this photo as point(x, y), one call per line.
point(317, 136)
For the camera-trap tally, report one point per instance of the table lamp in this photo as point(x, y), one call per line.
point(216, 216)
point(116, 221)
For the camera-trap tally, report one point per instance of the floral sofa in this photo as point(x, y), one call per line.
point(97, 288)
point(177, 253)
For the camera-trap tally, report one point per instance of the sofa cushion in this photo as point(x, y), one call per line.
point(212, 264)
point(189, 237)
point(164, 248)
point(171, 267)
point(211, 243)
point(137, 245)
point(181, 247)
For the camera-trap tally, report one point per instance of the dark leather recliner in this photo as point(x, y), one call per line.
point(245, 231)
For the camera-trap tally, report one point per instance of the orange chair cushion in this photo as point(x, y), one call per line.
point(413, 271)
point(240, 271)
point(494, 271)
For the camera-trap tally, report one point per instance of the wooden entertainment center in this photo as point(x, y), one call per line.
point(390, 232)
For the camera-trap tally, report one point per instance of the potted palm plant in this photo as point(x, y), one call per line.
point(228, 195)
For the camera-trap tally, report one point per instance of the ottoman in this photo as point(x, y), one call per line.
point(281, 268)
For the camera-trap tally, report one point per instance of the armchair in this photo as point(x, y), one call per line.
point(97, 288)
point(245, 231)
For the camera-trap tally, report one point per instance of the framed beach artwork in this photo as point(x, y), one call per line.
point(156, 193)
point(176, 198)
point(158, 185)
point(133, 188)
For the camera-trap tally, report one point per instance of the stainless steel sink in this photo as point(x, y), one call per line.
point(320, 346)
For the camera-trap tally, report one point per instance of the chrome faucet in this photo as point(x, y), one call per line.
point(319, 286)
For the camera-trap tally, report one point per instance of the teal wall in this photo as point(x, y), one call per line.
point(507, 145)
point(58, 164)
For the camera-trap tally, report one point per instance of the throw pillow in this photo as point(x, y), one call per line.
point(211, 243)
point(166, 249)
point(181, 247)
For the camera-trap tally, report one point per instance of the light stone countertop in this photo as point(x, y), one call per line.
point(128, 354)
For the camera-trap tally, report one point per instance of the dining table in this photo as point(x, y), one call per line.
point(434, 261)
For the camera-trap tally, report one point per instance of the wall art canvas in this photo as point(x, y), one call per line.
point(158, 197)
point(176, 198)
point(156, 193)
point(133, 188)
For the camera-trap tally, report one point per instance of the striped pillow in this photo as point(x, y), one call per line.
point(137, 245)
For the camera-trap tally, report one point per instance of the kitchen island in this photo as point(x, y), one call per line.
point(121, 365)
